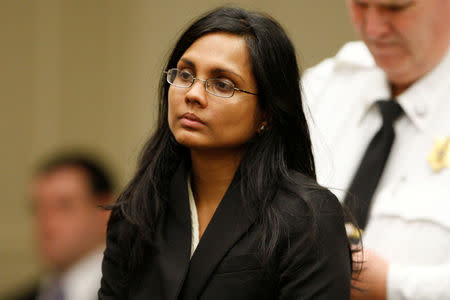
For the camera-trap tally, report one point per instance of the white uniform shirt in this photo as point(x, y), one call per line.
point(82, 281)
point(409, 222)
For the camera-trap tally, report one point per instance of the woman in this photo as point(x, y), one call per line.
point(224, 203)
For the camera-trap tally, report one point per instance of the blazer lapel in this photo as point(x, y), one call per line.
point(175, 238)
point(228, 224)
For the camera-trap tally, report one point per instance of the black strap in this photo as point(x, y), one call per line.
point(372, 164)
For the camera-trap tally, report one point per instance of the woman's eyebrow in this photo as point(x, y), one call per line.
point(215, 71)
point(221, 71)
point(188, 62)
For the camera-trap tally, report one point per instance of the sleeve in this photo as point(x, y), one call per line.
point(418, 282)
point(113, 282)
point(318, 268)
point(314, 80)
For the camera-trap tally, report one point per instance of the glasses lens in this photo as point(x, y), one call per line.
point(171, 75)
point(220, 87)
point(179, 78)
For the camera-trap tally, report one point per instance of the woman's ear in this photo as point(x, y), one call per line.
point(262, 123)
point(262, 127)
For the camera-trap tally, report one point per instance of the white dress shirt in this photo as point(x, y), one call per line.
point(409, 222)
point(194, 218)
point(81, 281)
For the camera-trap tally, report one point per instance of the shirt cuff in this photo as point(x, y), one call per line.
point(418, 282)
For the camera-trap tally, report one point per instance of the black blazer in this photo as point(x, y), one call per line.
point(225, 264)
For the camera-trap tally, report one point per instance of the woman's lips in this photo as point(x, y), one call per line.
point(191, 120)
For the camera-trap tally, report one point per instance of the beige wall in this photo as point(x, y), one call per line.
point(82, 73)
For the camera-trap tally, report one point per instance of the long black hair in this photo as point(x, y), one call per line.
point(269, 157)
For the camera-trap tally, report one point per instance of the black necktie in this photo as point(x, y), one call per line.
point(372, 164)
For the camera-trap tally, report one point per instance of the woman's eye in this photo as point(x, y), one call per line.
point(396, 8)
point(223, 85)
point(185, 75)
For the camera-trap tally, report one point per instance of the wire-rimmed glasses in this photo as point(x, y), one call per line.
point(215, 86)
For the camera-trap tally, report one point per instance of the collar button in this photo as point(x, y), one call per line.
point(421, 111)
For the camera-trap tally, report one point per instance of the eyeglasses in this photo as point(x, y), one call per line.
point(215, 86)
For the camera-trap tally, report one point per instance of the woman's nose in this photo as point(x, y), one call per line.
point(197, 93)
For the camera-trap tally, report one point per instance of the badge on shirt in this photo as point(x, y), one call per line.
point(354, 233)
point(439, 158)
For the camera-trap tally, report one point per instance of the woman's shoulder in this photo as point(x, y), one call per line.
point(301, 193)
point(314, 218)
point(306, 207)
point(120, 230)
point(314, 244)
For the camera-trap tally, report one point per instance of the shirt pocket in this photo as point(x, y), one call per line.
point(419, 198)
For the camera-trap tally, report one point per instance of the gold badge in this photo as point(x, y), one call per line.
point(439, 158)
point(353, 233)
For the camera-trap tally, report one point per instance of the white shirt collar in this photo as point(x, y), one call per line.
point(414, 100)
point(354, 54)
point(82, 280)
point(194, 217)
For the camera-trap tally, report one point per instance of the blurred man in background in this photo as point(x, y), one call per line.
point(381, 111)
point(70, 226)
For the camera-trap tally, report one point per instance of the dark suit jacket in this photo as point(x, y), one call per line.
point(225, 264)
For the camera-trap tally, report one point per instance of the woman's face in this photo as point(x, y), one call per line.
point(200, 120)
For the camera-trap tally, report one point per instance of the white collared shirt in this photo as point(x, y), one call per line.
point(81, 281)
point(195, 239)
point(409, 223)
